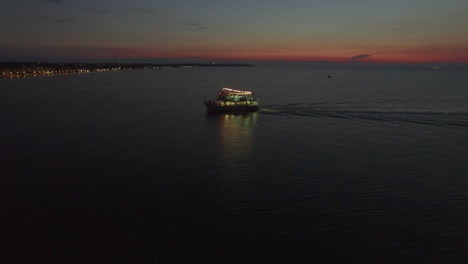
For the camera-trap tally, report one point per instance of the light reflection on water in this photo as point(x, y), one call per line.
point(235, 133)
point(235, 150)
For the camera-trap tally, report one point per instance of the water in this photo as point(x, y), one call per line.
point(369, 165)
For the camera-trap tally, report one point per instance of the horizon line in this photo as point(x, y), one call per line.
point(228, 61)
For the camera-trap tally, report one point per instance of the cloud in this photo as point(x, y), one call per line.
point(198, 26)
point(142, 11)
point(131, 11)
point(360, 57)
point(96, 10)
point(56, 20)
point(54, 1)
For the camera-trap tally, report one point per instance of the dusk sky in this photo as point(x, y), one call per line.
point(230, 30)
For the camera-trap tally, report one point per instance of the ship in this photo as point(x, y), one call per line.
point(233, 101)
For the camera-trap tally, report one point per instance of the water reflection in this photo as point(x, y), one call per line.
point(235, 134)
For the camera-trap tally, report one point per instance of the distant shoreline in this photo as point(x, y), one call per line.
point(35, 69)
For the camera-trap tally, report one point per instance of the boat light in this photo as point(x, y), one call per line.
point(236, 91)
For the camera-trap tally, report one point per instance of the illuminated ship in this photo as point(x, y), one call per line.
point(232, 101)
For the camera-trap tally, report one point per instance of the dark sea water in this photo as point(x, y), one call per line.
point(370, 165)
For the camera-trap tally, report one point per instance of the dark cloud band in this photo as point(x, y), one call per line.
point(54, 1)
point(360, 57)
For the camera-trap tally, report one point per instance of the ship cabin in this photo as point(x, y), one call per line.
point(233, 101)
point(232, 95)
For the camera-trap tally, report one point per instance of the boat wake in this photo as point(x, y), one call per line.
point(343, 110)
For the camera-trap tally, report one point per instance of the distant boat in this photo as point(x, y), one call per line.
point(233, 101)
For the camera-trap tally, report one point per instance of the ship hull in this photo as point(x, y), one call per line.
point(213, 108)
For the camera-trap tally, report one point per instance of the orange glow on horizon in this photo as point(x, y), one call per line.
point(374, 59)
point(298, 56)
point(257, 54)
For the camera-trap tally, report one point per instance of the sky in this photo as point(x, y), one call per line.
point(360, 31)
